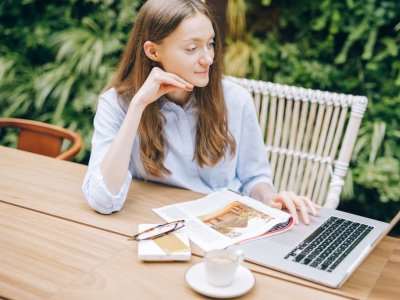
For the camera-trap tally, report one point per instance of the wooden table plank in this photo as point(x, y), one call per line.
point(388, 285)
point(41, 254)
point(122, 276)
point(54, 187)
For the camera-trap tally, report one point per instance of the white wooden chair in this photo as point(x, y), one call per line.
point(302, 130)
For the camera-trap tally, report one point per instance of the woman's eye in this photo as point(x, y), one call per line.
point(212, 44)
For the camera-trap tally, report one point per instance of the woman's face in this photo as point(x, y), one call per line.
point(189, 50)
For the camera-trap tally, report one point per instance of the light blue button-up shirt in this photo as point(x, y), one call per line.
point(241, 173)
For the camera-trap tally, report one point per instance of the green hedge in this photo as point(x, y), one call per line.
point(55, 59)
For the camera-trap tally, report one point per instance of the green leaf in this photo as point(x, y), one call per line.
point(377, 140)
point(391, 45)
point(63, 98)
point(351, 39)
point(369, 46)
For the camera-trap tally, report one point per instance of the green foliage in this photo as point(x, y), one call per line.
point(240, 51)
point(58, 58)
point(383, 175)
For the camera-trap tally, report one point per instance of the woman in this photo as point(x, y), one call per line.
point(168, 116)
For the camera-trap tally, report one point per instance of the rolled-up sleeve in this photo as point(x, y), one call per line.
point(108, 120)
point(252, 166)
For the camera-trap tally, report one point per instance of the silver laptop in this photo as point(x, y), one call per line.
point(326, 252)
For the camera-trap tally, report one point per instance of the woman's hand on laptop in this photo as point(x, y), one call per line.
point(290, 201)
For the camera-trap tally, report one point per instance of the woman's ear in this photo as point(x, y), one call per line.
point(151, 51)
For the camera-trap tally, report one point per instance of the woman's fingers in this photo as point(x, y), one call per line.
point(303, 209)
point(163, 77)
point(180, 79)
point(313, 207)
point(168, 88)
point(166, 80)
point(309, 204)
point(290, 206)
point(159, 83)
point(290, 200)
point(274, 204)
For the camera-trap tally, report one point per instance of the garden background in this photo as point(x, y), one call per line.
point(55, 57)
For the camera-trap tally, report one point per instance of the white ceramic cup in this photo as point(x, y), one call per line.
point(221, 266)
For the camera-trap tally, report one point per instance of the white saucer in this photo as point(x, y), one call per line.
point(243, 282)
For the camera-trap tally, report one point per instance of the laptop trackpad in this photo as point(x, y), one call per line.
point(289, 238)
point(297, 234)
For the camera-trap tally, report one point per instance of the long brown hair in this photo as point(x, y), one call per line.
point(155, 21)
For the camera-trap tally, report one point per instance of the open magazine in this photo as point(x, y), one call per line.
point(225, 218)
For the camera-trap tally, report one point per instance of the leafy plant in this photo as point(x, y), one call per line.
point(55, 74)
point(240, 51)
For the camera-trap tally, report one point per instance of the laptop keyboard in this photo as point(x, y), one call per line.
point(327, 246)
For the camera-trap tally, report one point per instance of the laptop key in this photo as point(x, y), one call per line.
point(299, 257)
point(322, 267)
point(301, 247)
point(331, 258)
point(323, 255)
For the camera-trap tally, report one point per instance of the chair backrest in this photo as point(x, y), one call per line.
point(302, 130)
point(44, 139)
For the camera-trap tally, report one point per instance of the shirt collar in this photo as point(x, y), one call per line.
point(163, 100)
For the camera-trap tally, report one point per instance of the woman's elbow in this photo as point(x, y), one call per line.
point(102, 208)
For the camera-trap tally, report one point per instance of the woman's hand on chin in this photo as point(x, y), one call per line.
point(290, 201)
point(159, 83)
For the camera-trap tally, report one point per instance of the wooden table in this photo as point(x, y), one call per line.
point(54, 246)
